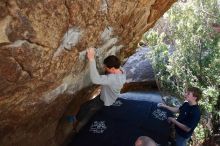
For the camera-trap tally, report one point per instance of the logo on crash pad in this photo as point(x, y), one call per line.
point(159, 114)
point(98, 127)
point(117, 103)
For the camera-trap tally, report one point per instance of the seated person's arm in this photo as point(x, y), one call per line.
point(180, 125)
point(172, 109)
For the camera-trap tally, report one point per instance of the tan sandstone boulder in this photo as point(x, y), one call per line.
point(43, 69)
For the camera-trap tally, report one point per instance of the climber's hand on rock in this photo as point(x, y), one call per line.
point(90, 54)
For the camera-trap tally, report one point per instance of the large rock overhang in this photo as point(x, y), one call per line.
point(43, 67)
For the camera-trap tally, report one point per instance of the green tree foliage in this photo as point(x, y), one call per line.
point(195, 59)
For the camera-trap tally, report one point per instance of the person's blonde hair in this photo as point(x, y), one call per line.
point(196, 92)
point(145, 141)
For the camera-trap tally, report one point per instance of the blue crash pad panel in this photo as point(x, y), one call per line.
point(123, 122)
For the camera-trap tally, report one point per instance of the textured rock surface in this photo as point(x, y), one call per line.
point(43, 70)
point(138, 67)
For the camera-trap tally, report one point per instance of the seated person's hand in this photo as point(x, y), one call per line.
point(171, 120)
point(160, 105)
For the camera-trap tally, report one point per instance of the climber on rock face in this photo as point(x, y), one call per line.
point(111, 84)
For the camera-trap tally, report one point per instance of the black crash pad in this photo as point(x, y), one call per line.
point(122, 123)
